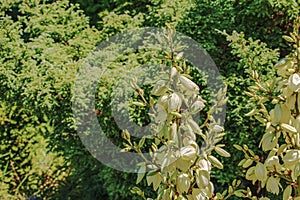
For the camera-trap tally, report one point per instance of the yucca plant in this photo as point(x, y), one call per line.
point(178, 167)
point(278, 109)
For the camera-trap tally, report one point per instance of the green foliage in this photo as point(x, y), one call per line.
point(40, 44)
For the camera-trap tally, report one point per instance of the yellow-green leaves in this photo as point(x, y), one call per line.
point(197, 106)
point(204, 164)
point(264, 198)
point(138, 191)
point(287, 192)
point(168, 161)
point(273, 185)
point(283, 160)
point(154, 179)
point(173, 72)
point(288, 128)
point(276, 114)
point(195, 127)
point(217, 128)
point(173, 133)
point(280, 114)
point(141, 173)
point(261, 172)
point(238, 147)
point(288, 38)
point(202, 178)
point(297, 123)
point(138, 104)
point(247, 163)
point(250, 174)
point(268, 141)
point(296, 171)
point(252, 112)
point(222, 152)
point(162, 113)
point(183, 183)
point(298, 101)
point(215, 162)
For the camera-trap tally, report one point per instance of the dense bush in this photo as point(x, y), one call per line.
point(41, 44)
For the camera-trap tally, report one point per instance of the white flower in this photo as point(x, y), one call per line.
point(294, 82)
point(183, 183)
point(174, 102)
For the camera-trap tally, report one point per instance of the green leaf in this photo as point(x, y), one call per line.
point(239, 193)
point(138, 104)
point(273, 185)
point(248, 163)
point(296, 171)
point(141, 173)
point(261, 172)
point(141, 142)
point(288, 38)
point(215, 162)
point(287, 192)
point(238, 147)
point(252, 112)
point(288, 128)
point(183, 183)
point(202, 178)
point(138, 191)
point(222, 152)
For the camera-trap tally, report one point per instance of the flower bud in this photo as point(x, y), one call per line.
point(272, 162)
point(188, 153)
point(204, 164)
point(291, 158)
point(197, 106)
point(294, 82)
point(187, 83)
point(183, 183)
point(173, 72)
point(217, 128)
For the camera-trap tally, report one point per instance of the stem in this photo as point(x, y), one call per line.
point(141, 154)
point(15, 171)
point(296, 106)
point(179, 137)
point(209, 113)
point(21, 183)
point(298, 186)
point(283, 176)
